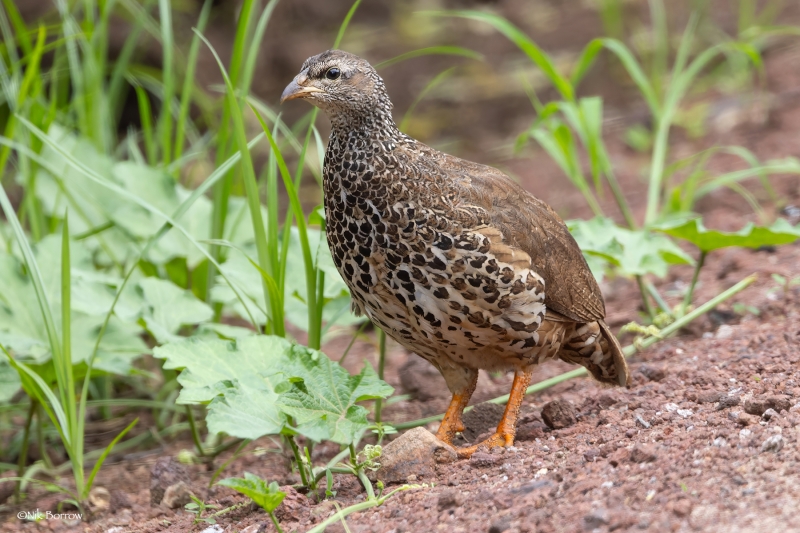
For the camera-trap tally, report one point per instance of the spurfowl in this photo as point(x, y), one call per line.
point(452, 259)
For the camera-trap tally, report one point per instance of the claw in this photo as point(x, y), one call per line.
point(497, 440)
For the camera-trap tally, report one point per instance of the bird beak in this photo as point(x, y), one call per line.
point(296, 89)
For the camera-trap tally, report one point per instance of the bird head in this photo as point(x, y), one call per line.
point(339, 82)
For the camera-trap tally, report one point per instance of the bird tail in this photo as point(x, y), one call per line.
point(593, 346)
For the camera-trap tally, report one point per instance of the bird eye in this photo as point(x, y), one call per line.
point(333, 73)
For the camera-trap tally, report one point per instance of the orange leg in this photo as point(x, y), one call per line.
point(451, 423)
point(504, 435)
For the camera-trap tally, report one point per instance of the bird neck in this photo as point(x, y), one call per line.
point(376, 122)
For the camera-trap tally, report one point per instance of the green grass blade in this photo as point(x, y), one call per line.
point(431, 50)
point(145, 116)
point(248, 171)
point(44, 396)
point(188, 82)
point(33, 272)
point(634, 69)
point(345, 24)
point(523, 42)
point(258, 34)
point(439, 78)
point(102, 458)
point(314, 328)
point(585, 61)
point(168, 77)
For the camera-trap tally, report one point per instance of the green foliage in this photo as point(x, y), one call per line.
point(632, 252)
point(252, 386)
point(267, 496)
point(750, 236)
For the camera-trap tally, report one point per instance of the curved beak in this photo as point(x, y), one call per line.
point(296, 89)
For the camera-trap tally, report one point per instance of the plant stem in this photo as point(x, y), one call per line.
point(353, 340)
point(688, 298)
point(40, 438)
point(195, 432)
point(359, 470)
point(23, 453)
point(657, 297)
point(347, 511)
point(628, 351)
point(381, 366)
point(275, 522)
point(300, 465)
point(648, 307)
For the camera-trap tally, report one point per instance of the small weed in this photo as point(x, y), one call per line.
point(197, 507)
point(267, 496)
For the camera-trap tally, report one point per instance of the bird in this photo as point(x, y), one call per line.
point(454, 260)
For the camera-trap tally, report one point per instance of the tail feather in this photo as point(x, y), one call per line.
point(593, 346)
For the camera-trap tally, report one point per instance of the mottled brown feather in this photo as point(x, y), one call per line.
point(532, 226)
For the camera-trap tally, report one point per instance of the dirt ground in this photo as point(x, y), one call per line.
point(706, 439)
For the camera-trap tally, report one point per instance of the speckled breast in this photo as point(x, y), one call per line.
point(437, 288)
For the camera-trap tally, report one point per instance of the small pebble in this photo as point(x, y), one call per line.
point(772, 444)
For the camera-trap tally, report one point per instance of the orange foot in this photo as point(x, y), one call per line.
point(498, 440)
point(504, 436)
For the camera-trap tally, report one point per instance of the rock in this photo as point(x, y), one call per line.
point(500, 525)
point(415, 452)
point(653, 373)
point(165, 473)
point(120, 500)
point(595, 519)
point(7, 489)
point(99, 498)
point(643, 454)
point(743, 419)
point(123, 518)
point(292, 505)
point(682, 508)
point(177, 495)
point(769, 414)
point(710, 397)
point(703, 516)
point(727, 401)
point(482, 418)
point(480, 459)
point(779, 403)
point(591, 455)
point(641, 421)
point(773, 444)
point(216, 528)
point(530, 431)
point(724, 332)
point(256, 528)
point(758, 406)
point(449, 499)
point(559, 414)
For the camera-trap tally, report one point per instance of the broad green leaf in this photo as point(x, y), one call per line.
point(22, 329)
point(323, 396)
point(168, 307)
point(250, 386)
point(633, 252)
point(9, 380)
point(267, 496)
point(750, 236)
point(252, 362)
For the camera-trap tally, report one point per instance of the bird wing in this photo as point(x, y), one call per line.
point(529, 224)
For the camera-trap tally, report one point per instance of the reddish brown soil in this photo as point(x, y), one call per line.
point(686, 448)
